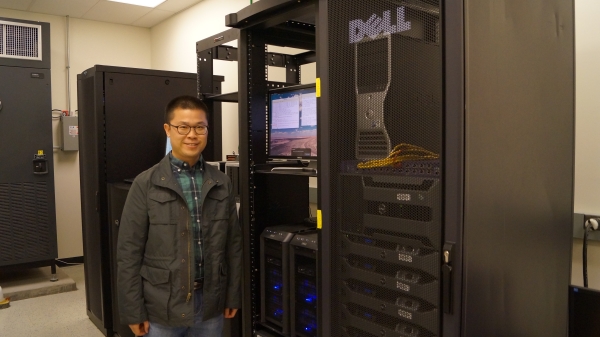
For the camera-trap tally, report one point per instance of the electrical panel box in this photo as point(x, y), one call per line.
point(69, 140)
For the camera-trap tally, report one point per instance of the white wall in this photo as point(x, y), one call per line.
point(587, 140)
point(92, 43)
point(174, 48)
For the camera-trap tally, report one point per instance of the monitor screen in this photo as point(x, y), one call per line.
point(293, 122)
point(168, 147)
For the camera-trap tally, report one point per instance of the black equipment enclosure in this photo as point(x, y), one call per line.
point(470, 235)
point(121, 117)
point(275, 276)
point(584, 312)
point(27, 202)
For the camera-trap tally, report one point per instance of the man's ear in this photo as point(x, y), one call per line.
point(167, 129)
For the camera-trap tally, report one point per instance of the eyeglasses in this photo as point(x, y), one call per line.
point(185, 129)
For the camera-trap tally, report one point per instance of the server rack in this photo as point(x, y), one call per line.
point(262, 201)
point(27, 202)
point(121, 114)
point(449, 244)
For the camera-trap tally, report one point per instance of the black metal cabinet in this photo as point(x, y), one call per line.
point(117, 195)
point(121, 117)
point(27, 201)
point(27, 207)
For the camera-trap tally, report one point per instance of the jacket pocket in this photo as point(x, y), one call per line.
point(157, 291)
point(217, 203)
point(159, 206)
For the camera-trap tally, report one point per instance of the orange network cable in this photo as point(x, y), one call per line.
point(400, 153)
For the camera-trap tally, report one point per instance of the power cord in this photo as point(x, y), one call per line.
point(590, 225)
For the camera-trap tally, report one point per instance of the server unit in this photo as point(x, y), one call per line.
point(304, 281)
point(275, 276)
point(27, 204)
point(121, 117)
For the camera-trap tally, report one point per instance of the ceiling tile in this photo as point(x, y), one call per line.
point(21, 5)
point(153, 18)
point(176, 5)
point(116, 12)
point(74, 8)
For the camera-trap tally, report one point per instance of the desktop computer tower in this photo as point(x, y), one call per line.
point(232, 169)
point(304, 280)
point(275, 276)
point(446, 170)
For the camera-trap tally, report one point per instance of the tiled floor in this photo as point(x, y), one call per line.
point(59, 315)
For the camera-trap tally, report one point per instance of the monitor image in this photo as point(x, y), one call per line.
point(293, 122)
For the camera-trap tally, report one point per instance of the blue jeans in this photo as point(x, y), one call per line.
point(210, 328)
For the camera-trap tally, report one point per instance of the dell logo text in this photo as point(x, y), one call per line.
point(376, 25)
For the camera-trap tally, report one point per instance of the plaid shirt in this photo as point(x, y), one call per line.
point(190, 180)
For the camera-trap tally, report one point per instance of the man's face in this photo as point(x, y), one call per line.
point(187, 147)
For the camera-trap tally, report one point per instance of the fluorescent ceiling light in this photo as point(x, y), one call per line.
point(145, 3)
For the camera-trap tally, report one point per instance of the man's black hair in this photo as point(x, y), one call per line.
point(184, 102)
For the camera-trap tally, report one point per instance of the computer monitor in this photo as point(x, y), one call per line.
point(584, 312)
point(168, 147)
point(293, 122)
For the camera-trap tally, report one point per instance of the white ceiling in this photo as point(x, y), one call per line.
point(102, 10)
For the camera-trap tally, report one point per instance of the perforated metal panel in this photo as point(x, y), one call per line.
point(24, 222)
point(20, 40)
point(385, 75)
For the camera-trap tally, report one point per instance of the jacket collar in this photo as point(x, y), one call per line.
point(163, 176)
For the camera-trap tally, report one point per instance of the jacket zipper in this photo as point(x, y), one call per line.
point(189, 295)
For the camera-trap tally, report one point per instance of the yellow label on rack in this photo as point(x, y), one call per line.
point(319, 219)
point(318, 84)
point(40, 152)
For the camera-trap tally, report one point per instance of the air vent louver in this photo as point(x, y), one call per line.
point(20, 40)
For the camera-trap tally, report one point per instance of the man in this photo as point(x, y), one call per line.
point(179, 250)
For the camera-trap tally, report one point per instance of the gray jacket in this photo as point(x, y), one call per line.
point(155, 251)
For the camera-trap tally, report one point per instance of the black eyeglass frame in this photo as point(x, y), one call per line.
point(196, 128)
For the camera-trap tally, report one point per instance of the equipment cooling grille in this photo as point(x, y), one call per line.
point(24, 222)
point(20, 40)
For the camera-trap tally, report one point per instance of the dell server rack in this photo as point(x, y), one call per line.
point(445, 167)
point(432, 211)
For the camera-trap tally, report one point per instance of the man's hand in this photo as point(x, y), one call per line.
point(141, 329)
point(230, 313)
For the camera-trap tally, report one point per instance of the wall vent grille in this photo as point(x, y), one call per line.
point(20, 40)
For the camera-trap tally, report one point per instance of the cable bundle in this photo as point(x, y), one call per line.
point(400, 153)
